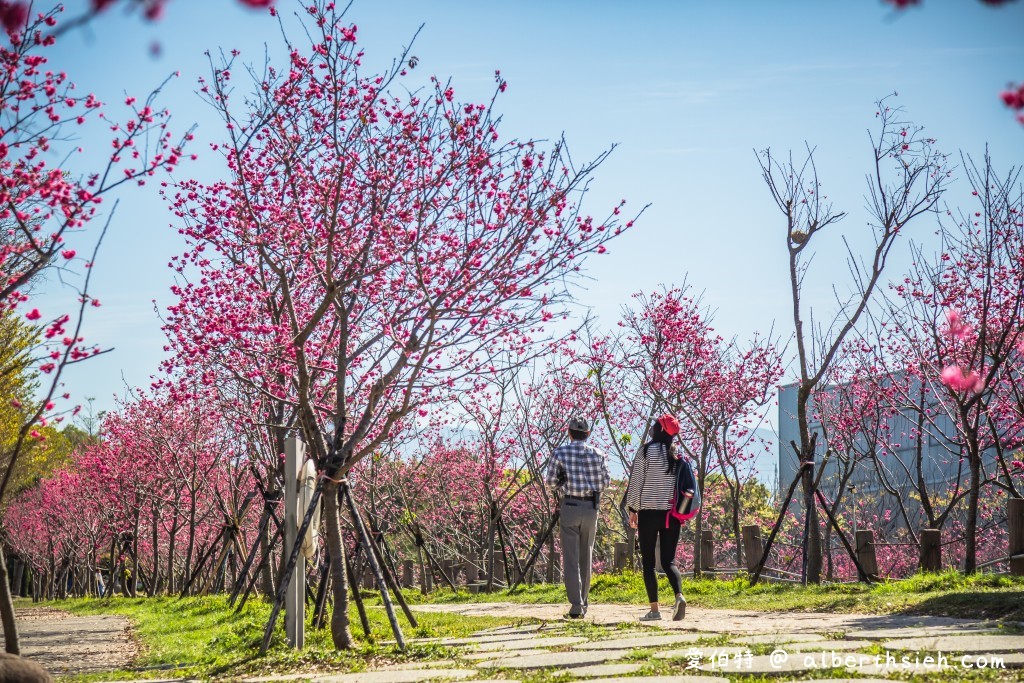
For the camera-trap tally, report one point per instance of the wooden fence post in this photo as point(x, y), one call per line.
point(707, 550)
point(621, 556)
point(752, 546)
point(931, 550)
point(427, 580)
point(446, 569)
point(865, 548)
point(407, 573)
point(499, 570)
point(1015, 529)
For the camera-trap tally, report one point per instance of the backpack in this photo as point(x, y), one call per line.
point(683, 508)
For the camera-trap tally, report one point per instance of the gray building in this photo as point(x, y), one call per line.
point(883, 467)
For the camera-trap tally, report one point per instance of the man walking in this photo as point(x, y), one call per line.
point(580, 473)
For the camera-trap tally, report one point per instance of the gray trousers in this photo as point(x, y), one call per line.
point(578, 528)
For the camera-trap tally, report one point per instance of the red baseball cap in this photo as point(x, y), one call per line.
point(669, 423)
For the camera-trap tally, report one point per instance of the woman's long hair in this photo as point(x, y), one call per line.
point(659, 435)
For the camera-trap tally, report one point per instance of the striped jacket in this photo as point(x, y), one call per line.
point(651, 486)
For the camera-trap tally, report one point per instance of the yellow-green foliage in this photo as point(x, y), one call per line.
point(36, 457)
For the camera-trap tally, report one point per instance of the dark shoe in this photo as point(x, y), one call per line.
point(679, 612)
point(570, 615)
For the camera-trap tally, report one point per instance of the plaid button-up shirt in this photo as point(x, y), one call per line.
point(577, 469)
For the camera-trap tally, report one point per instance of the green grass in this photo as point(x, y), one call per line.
point(202, 637)
point(946, 594)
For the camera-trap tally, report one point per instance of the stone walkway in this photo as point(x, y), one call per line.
point(711, 620)
point(66, 644)
point(710, 646)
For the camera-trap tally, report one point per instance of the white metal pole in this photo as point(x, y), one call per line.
point(295, 601)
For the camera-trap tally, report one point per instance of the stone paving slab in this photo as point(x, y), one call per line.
point(410, 676)
point(953, 663)
point(559, 659)
point(737, 622)
point(503, 654)
point(545, 627)
point(772, 638)
point(642, 641)
point(661, 679)
point(529, 643)
point(1013, 660)
point(604, 670)
point(976, 628)
point(765, 664)
point(703, 653)
point(432, 664)
point(475, 640)
point(836, 645)
point(959, 643)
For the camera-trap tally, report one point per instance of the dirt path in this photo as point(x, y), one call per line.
point(711, 620)
point(68, 644)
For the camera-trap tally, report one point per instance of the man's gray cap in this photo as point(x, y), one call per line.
point(578, 424)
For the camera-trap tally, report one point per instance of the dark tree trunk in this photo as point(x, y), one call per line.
point(341, 633)
point(971, 530)
point(155, 580)
point(19, 573)
point(7, 611)
point(191, 546)
point(172, 548)
point(134, 584)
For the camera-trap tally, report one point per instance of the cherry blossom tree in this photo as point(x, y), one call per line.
point(403, 244)
point(958, 318)
point(42, 204)
point(906, 180)
point(669, 359)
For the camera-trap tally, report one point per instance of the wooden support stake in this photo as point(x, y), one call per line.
point(752, 546)
point(865, 540)
point(622, 556)
point(364, 536)
point(931, 550)
point(707, 550)
point(356, 595)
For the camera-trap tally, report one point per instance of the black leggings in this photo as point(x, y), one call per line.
point(651, 524)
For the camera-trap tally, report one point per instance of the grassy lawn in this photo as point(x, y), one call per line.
point(946, 594)
point(202, 637)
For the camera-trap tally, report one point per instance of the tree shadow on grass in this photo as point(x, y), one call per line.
point(1003, 605)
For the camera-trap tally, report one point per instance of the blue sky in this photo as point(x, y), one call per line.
point(687, 89)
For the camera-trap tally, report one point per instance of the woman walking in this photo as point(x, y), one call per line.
point(649, 497)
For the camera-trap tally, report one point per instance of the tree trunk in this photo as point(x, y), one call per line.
point(191, 546)
point(134, 589)
point(549, 574)
point(171, 551)
point(341, 633)
point(155, 580)
point(267, 572)
point(971, 531)
point(813, 557)
point(19, 575)
point(7, 611)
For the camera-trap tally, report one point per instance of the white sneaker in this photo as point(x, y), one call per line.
point(651, 616)
point(679, 612)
